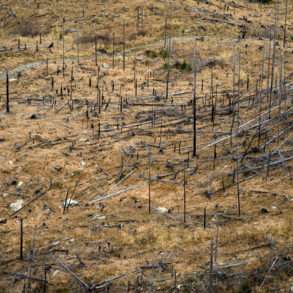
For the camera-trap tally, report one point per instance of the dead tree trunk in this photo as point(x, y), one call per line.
point(63, 47)
point(149, 182)
point(7, 93)
point(168, 70)
point(194, 150)
point(285, 24)
point(96, 48)
point(124, 46)
point(47, 66)
point(273, 57)
point(184, 196)
point(77, 48)
point(238, 93)
point(165, 28)
point(211, 269)
point(113, 50)
point(238, 187)
point(269, 63)
point(21, 240)
point(205, 218)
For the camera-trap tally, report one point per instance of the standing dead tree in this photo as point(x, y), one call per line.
point(21, 240)
point(184, 195)
point(149, 182)
point(139, 20)
point(113, 50)
point(285, 23)
point(238, 187)
point(96, 52)
point(168, 69)
point(205, 218)
point(7, 93)
point(77, 47)
point(273, 56)
point(124, 46)
point(63, 46)
point(166, 25)
point(211, 268)
point(194, 108)
point(282, 77)
point(238, 88)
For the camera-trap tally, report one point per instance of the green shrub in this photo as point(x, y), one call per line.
point(164, 53)
point(183, 66)
point(151, 54)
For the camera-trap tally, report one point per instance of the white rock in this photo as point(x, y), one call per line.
point(162, 210)
point(15, 206)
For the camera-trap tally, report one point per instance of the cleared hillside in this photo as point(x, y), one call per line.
point(146, 146)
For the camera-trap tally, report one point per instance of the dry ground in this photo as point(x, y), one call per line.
point(55, 144)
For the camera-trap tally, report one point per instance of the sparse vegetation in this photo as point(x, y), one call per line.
point(146, 146)
point(30, 28)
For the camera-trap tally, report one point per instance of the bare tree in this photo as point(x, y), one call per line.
point(194, 108)
point(7, 93)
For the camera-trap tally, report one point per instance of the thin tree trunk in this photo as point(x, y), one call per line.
point(273, 57)
point(124, 46)
point(7, 93)
point(194, 152)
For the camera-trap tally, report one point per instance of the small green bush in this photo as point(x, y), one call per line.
point(151, 54)
point(164, 53)
point(183, 66)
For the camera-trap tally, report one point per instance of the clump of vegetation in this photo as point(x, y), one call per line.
point(164, 53)
point(30, 28)
point(183, 66)
point(245, 288)
point(151, 54)
point(89, 39)
point(178, 65)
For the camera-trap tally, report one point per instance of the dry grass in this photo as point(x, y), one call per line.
point(117, 236)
